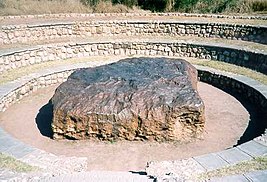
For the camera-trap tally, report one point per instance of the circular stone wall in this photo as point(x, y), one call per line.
point(35, 113)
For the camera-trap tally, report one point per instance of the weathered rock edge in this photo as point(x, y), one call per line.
point(133, 99)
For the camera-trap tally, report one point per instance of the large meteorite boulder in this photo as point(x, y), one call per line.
point(133, 99)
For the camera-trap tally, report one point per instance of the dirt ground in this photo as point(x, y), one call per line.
point(226, 121)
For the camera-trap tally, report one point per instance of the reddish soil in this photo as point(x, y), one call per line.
point(226, 121)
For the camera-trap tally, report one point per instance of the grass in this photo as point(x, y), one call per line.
point(8, 162)
point(258, 163)
point(231, 68)
point(108, 7)
point(248, 6)
point(23, 71)
point(222, 6)
point(19, 7)
point(22, 7)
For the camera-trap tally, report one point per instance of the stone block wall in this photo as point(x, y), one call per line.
point(16, 59)
point(31, 86)
point(10, 34)
point(250, 93)
point(236, 88)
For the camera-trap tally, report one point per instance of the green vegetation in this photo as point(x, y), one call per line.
point(206, 6)
point(20, 7)
point(16, 7)
point(8, 162)
point(258, 163)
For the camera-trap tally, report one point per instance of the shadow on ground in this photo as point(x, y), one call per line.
point(142, 173)
point(257, 121)
point(44, 120)
point(256, 124)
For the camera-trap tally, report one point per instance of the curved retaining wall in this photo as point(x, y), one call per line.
point(18, 93)
point(20, 58)
point(248, 89)
point(10, 34)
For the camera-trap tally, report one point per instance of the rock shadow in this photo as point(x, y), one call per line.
point(142, 173)
point(44, 120)
point(256, 123)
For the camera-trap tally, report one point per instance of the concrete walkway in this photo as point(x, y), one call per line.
point(229, 43)
point(255, 176)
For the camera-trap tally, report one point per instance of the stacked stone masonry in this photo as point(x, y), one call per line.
point(10, 34)
point(16, 59)
point(31, 86)
point(233, 86)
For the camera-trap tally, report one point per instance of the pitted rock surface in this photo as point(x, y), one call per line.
point(133, 99)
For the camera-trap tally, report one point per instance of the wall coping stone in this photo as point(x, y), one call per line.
point(10, 51)
point(134, 15)
point(260, 87)
point(95, 22)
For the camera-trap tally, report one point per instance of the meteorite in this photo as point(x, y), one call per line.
point(132, 99)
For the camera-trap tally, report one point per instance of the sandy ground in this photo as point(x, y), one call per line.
point(226, 121)
point(34, 21)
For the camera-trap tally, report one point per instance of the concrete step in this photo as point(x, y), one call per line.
point(237, 44)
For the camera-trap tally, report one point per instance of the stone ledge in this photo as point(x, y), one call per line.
point(45, 161)
point(17, 58)
point(188, 169)
point(10, 34)
point(250, 89)
point(132, 15)
point(125, 22)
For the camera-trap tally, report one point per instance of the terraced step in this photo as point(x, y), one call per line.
point(26, 33)
point(240, 44)
point(47, 162)
point(250, 58)
point(183, 17)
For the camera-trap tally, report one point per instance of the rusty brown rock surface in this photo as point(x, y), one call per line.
point(133, 99)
